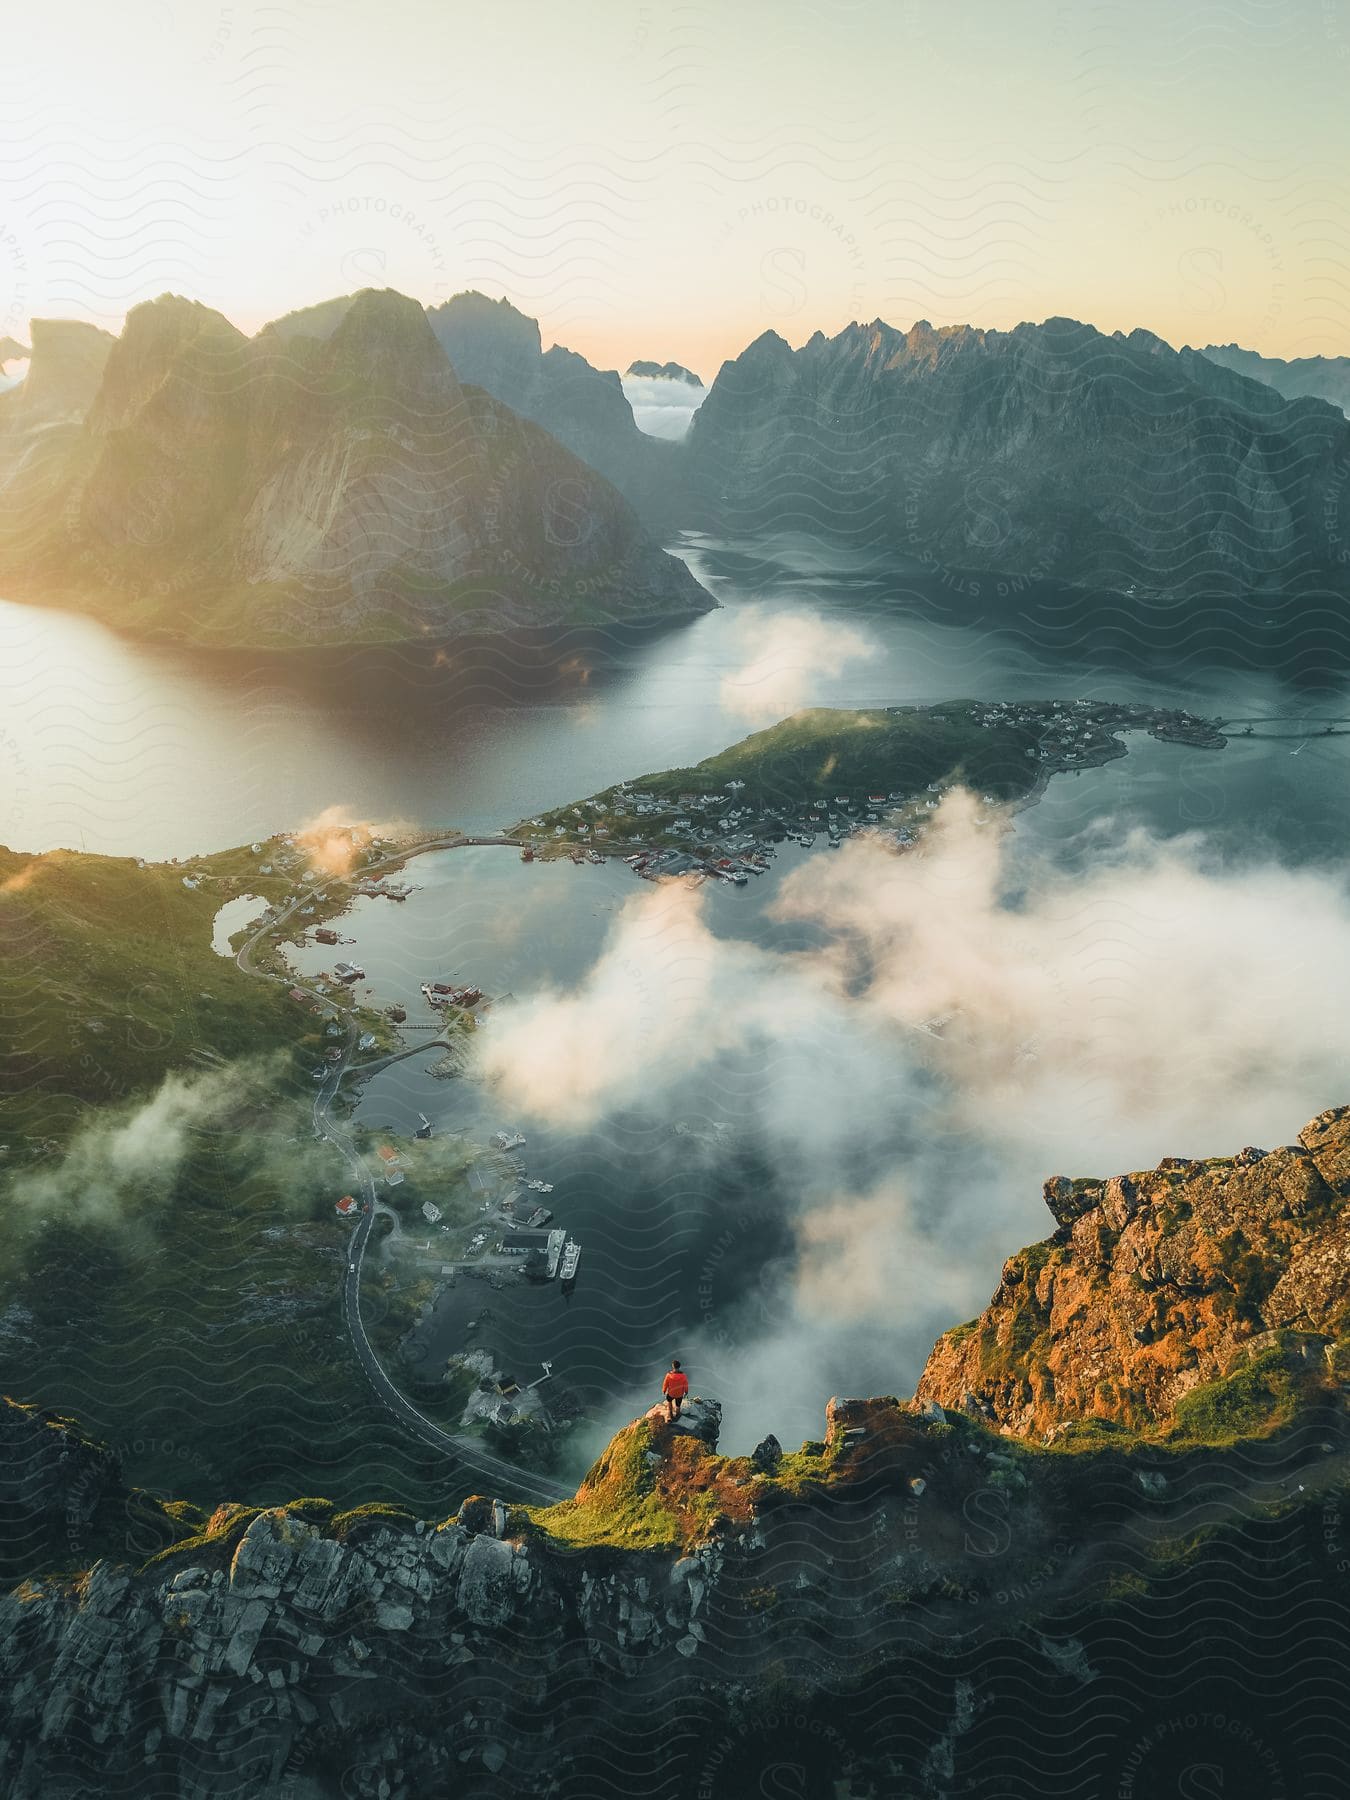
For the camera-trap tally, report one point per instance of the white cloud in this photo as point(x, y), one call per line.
point(1160, 1002)
point(785, 654)
point(663, 408)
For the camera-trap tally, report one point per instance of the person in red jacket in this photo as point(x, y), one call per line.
point(675, 1387)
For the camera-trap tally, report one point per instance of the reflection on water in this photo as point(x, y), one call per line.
point(133, 749)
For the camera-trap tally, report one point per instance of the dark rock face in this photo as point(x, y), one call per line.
point(1159, 1282)
point(887, 1611)
point(343, 488)
point(498, 348)
point(698, 1418)
point(1316, 377)
point(767, 1454)
point(52, 1483)
point(1047, 452)
point(480, 1657)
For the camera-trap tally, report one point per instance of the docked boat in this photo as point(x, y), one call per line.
point(571, 1256)
point(506, 1140)
point(423, 1126)
point(527, 854)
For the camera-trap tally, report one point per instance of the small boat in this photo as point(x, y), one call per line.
point(594, 856)
point(571, 1256)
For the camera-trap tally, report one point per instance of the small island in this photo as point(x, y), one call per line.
point(834, 773)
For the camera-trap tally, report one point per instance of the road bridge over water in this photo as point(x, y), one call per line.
point(1286, 725)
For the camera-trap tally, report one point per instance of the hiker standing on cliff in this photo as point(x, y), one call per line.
point(675, 1387)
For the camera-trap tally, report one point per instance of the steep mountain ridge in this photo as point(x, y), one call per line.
point(292, 490)
point(1047, 451)
point(497, 347)
point(919, 1602)
point(1160, 1283)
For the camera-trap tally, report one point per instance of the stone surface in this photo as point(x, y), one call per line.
point(1051, 450)
point(292, 489)
point(1156, 1282)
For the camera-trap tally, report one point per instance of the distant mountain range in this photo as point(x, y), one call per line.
point(367, 470)
point(1305, 377)
point(1048, 451)
point(331, 480)
point(668, 371)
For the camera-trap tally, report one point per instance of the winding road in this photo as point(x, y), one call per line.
point(463, 1445)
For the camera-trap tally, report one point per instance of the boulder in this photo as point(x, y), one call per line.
point(767, 1454)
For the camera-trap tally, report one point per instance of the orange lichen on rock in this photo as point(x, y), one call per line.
point(1157, 1283)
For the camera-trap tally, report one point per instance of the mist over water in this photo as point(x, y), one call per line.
point(133, 749)
point(776, 1167)
point(661, 407)
point(800, 1127)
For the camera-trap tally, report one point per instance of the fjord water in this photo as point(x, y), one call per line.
point(133, 749)
point(130, 749)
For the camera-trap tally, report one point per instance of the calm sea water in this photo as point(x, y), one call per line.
point(128, 749)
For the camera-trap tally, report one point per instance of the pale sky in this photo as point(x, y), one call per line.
point(669, 180)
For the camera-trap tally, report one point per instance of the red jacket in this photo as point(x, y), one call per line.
point(676, 1385)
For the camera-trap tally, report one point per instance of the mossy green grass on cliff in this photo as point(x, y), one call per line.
point(618, 1505)
point(1261, 1397)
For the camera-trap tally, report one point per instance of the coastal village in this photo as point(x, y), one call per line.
point(682, 823)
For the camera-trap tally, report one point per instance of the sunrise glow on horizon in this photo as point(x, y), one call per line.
point(632, 187)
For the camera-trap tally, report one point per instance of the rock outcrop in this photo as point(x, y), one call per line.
point(1161, 1283)
point(1048, 452)
point(917, 1603)
point(295, 490)
point(850, 1617)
